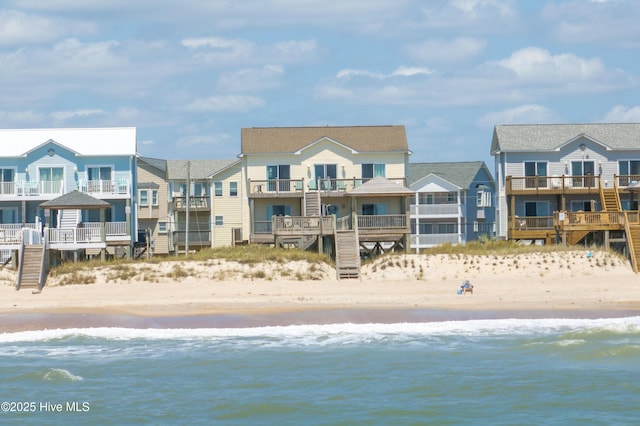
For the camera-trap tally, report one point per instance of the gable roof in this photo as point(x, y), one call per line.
point(196, 169)
point(380, 186)
point(462, 174)
point(269, 140)
point(549, 137)
point(83, 142)
point(75, 200)
point(156, 163)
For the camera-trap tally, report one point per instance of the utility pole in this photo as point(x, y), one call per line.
point(187, 208)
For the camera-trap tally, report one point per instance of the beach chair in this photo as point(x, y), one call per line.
point(466, 287)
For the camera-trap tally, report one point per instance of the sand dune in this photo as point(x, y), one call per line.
point(543, 281)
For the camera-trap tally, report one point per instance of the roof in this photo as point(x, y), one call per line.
point(462, 174)
point(264, 140)
point(84, 142)
point(549, 137)
point(195, 169)
point(75, 200)
point(154, 162)
point(380, 186)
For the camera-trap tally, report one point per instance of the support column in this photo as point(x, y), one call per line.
point(103, 237)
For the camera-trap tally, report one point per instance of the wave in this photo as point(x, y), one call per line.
point(345, 332)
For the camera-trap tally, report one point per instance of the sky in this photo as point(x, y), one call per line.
point(190, 74)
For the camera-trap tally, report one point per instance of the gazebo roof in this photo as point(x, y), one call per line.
point(75, 200)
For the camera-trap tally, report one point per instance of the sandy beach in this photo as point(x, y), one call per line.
point(395, 289)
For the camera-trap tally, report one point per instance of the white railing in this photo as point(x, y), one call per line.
point(102, 186)
point(431, 240)
point(434, 209)
point(87, 232)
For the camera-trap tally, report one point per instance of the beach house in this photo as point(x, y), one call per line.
point(153, 207)
point(570, 183)
point(341, 189)
point(454, 202)
point(191, 199)
point(71, 191)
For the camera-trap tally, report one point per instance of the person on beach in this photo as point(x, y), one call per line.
point(466, 287)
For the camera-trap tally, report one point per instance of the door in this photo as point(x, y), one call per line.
point(51, 179)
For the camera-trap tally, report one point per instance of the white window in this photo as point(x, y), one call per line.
point(372, 170)
point(154, 197)
point(162, 227)
point(483, 199)
point(217, 187)
point(144, 197)
point(219, 221)
point(233, 189)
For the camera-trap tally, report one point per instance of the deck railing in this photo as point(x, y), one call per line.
point(390, 221)
point(275, 186)
point(552, 183)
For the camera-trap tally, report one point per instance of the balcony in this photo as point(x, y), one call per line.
point(105, 187)
point(546, 185)
point(196, 238)
point(437, 210)
point(328, 187)
point(195, 203)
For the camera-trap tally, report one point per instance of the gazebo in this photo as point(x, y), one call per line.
point(76, 200)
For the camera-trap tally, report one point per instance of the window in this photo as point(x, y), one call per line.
point(585, 206)
point(217, 189)
point(6, 181)
point(483, 199)
point(629, 171)
point(162, 227)
point(374, 209)
point(426, 198)
point(144, 197)
point(9, 215)
point(536, 208)
point(372, 170)
point(583, 173)
point(533, 169)
point(233, 189)
point(219, 221)
point(154, 197)
point(99, 173)
point(438, 228)
point(327, 174)
point(51, 179)
point(278, 210)
point(281, 174)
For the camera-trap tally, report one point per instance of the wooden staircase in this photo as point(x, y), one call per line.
point(312, 204)
point(610, 199)
point(632, 232)
point(31, 272)
point(347, 254)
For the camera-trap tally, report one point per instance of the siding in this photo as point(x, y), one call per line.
point(234, 210)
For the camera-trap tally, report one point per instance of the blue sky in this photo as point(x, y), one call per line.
point(190, 74)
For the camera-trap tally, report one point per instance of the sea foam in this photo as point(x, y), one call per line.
point(345, 332)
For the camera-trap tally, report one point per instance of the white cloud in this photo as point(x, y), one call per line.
point(220, 50)
point(623, 114)
point(19, 29)
point(226, 103)
point(523, 114)
point(612, 23)
point(250, 79)
point(293, 51)
point(26, 118)
point(445, 51)
point(347, 74)
point(205, 139)
point(535, 64)
point(67, 115)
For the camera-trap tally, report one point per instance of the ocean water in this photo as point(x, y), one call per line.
point(495, 372)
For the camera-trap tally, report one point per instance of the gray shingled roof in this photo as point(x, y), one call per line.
point(380, 186)
point(75, 200)
point(461, 174)
point(199, 169)
point(262, 140)
point(549, 137)
point(154, 162)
